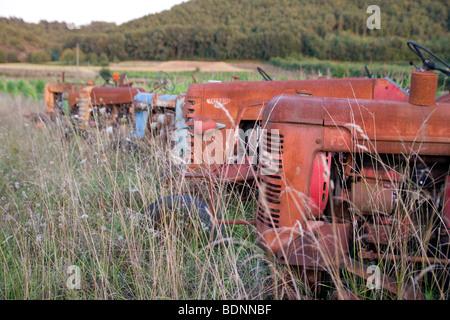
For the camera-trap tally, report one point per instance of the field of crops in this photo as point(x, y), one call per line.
point(33, 89)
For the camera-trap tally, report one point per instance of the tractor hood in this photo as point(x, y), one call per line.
point(113, 95)
point(61, 87)
point(373, 124)
point(230, 94)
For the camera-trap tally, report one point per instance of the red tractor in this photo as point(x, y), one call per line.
point(53, 96)
point(366, 180)
point(102, 106)
point(239, 105)
point(108, 105)
point(345, 175)
point(233, 112)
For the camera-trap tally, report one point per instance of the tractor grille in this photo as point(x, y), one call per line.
point(83, 113)
point(270, 179)
point(193, 107)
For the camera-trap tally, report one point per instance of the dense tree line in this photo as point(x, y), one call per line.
point(252, 29)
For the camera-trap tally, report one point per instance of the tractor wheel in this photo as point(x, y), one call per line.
point(124, 145)
point(186, 210)
point(43, 117)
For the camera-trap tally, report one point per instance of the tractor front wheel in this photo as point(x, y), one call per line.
point(192, 214)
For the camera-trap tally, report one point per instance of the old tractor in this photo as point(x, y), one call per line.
point(349, 170)
point(374, 173)
point(104, 106)
point(239, 105)
point(233, 111)
point(112, 107)
point(53, 96)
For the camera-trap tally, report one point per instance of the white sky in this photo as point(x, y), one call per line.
point(82, 12)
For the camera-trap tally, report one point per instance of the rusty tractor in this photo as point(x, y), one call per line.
point(348, 171)
point(364, 170)
point(238, 104)
point(234, 109)
point(53, 96)
point(111, 107)
point(103, 106)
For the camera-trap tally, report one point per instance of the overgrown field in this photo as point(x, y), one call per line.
point(68, 202)
point(79, 202)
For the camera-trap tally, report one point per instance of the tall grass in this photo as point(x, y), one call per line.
point(67, 200)
point(79, 202)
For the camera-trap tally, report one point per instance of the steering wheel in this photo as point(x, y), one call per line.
point(264, 74)
point(166, 81)
point(428, 63)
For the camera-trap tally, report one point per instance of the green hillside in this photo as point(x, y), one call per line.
point(248, 29)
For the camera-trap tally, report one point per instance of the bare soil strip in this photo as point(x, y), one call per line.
point(143, 66)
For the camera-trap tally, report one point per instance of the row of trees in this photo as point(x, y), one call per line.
point(10, 56)
point(255, 29)
point(68, 57)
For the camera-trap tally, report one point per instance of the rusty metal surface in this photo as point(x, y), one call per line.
point(56, 88)
point(233, 94)
point(423, 88)
point(444, 98)
point(315, 125)
point(113, 95)
point(408, 292)
point(233, 102)
point(379, 126)
point(72, 97)
point(326, 245)
point(386, 89)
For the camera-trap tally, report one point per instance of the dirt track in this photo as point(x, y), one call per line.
point(31, 70)
point(178, 66)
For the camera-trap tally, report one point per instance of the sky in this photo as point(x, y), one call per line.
point(82, 12)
